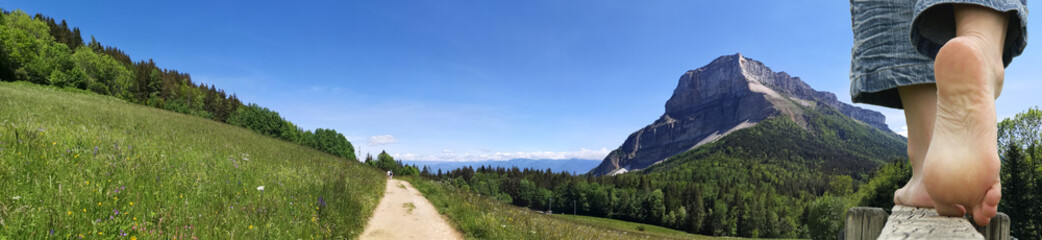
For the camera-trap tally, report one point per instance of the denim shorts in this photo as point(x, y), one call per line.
point(895, 42)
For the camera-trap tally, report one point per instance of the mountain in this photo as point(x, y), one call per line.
point(564, 165)
point(731, 93)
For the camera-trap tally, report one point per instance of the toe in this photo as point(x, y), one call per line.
point(981, 217)
point(988, 207)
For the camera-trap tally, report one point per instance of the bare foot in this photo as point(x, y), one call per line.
point(961, 169)
point(913, 194)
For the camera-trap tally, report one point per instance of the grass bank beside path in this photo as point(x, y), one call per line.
point(479, 217)
point(75, 164)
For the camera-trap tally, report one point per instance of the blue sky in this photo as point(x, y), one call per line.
point(476, 80)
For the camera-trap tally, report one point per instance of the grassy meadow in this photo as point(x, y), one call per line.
point(79, 165)
point(479, 217)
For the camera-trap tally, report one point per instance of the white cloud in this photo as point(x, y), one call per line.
point(450, 156)
point(381, 140)
point(904, 131)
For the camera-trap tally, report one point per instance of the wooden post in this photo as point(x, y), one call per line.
point(864, 223)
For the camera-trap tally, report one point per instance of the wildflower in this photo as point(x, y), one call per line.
point(260, 188)
point(16, 197)
point(251, 226)
point(70, 212)
point(131, 203)
point(84, 210)
point(133, 238)
point(75, 156)
point(95, 150)
point(54, 143)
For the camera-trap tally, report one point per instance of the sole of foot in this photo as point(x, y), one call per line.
point(961, 169)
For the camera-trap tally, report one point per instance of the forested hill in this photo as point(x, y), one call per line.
point(44, 51)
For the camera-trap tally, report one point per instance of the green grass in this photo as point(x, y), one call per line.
point(479, 217)
point(76, 164)
point(659, 232)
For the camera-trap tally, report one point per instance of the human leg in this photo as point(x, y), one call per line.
point(961, 167)
point(920, 104)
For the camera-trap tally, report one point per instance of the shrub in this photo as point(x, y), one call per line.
point(826, 215)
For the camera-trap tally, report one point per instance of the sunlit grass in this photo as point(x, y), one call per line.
point(479, 217)
point(75, 164)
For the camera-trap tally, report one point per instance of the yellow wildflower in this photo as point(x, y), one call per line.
point(70, 212)
point(54, 143)
point(84, 210)
point(251, 226)
point(99, 204)
point(133, 238)
point(131, 203)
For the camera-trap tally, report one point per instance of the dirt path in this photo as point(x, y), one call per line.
point(404, 213)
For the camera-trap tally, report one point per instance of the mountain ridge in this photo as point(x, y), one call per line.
point(730, 93)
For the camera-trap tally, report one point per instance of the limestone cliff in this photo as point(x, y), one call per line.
point(730, 93)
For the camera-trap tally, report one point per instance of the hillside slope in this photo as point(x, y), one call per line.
point(78, 164)
point(828, 142)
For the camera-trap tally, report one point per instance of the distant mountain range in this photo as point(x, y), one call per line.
point(733, 93)
point(574, 166)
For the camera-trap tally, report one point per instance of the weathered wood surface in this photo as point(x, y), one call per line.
point(924, 223)
point(864, 223)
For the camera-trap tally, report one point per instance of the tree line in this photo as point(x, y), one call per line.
point(387, 163)
point(43, 51)
point(1020, 148)
point(741, 208)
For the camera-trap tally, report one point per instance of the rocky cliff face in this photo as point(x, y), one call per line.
point(731, 93)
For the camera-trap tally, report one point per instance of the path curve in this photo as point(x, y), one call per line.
point(393, 218)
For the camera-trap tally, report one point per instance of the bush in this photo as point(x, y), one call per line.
point(99, 88)
point(879, 191)
point(826, 215)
